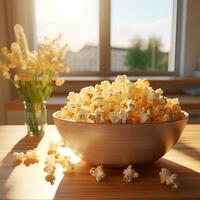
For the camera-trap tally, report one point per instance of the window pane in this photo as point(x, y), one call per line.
point(77, 21)
point(141, 35)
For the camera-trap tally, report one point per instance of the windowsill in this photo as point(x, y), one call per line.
point(132, 78)
point(171, 85)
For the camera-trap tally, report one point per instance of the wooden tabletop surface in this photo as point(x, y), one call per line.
point(22, 182)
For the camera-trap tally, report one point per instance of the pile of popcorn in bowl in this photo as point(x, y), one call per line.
point(120, 102)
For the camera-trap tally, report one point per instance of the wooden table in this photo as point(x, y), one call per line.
point(22, 182)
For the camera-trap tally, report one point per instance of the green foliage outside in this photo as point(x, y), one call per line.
point(146, 56)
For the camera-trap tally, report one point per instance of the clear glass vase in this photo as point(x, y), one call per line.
point(35, 114)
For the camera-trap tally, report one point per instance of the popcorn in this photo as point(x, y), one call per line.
point(98, 173)
point(124, 116)
point(115, 117)
point(120, 102)
point(121, 79)
point(165, 117)
point(50, 164)
point(66, 164)
point(19, 157)
point(130, 105)
point(50, 167)
point(59, 82)
point(152, 97)
point(159, 91)
point(55, 156)
point(97, 116)
point(52, 147)
point(130, 174)
point(31, 155)
point(83, 114)
point(166, 177)
point(145, 116)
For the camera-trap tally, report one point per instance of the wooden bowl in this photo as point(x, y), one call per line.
point(117, 145)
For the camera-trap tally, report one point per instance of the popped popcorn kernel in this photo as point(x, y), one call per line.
point(166, 177)
point(59, 82)
point(56, 156)
point(130, 174)
point(30, 157)
point(120, 102)
point(50, 165)
point(19, 157)
point(97, 116)
point(65, 162)
point(98, 173)
point(52, 147)
point(50, 178)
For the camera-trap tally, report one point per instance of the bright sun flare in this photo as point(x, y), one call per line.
point(68, 152)
point(73, 9)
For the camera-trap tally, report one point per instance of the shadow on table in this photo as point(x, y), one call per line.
point(188, 150)
point(81, 185)
point(7, 164)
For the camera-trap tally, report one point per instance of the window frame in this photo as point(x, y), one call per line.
point(104, 68)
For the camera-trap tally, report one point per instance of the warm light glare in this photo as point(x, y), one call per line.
point(68, 152)
point(76, 20)
point(73, 9)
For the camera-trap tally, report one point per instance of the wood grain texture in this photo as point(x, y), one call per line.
point(21, 182)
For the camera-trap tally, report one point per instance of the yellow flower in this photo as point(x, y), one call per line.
point(56, 75)
point(67, 69)
point(38, 67)
point(59, 82)
point(45, 78)
point(21, 40)
point(16, 78)
point(6, 75)
point(11, 66)
point(25, 76)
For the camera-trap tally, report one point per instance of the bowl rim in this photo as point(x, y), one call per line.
point(186, 116)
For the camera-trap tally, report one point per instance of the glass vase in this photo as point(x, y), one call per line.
point(35, 114)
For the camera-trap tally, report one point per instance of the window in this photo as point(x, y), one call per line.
point(141, 34)
point(107, 37)
point(77, 21)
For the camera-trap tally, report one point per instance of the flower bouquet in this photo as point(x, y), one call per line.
point(33, 74)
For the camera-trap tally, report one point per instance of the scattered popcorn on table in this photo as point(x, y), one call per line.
point(59, 82)
point(130, 174)
point(66, 164)
point(52, 147)
point(19, 157)
point(30, 157)
point(166, 177)
point(98, 173)
point(50, 165)
point(120, 102)
point(55, 157)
